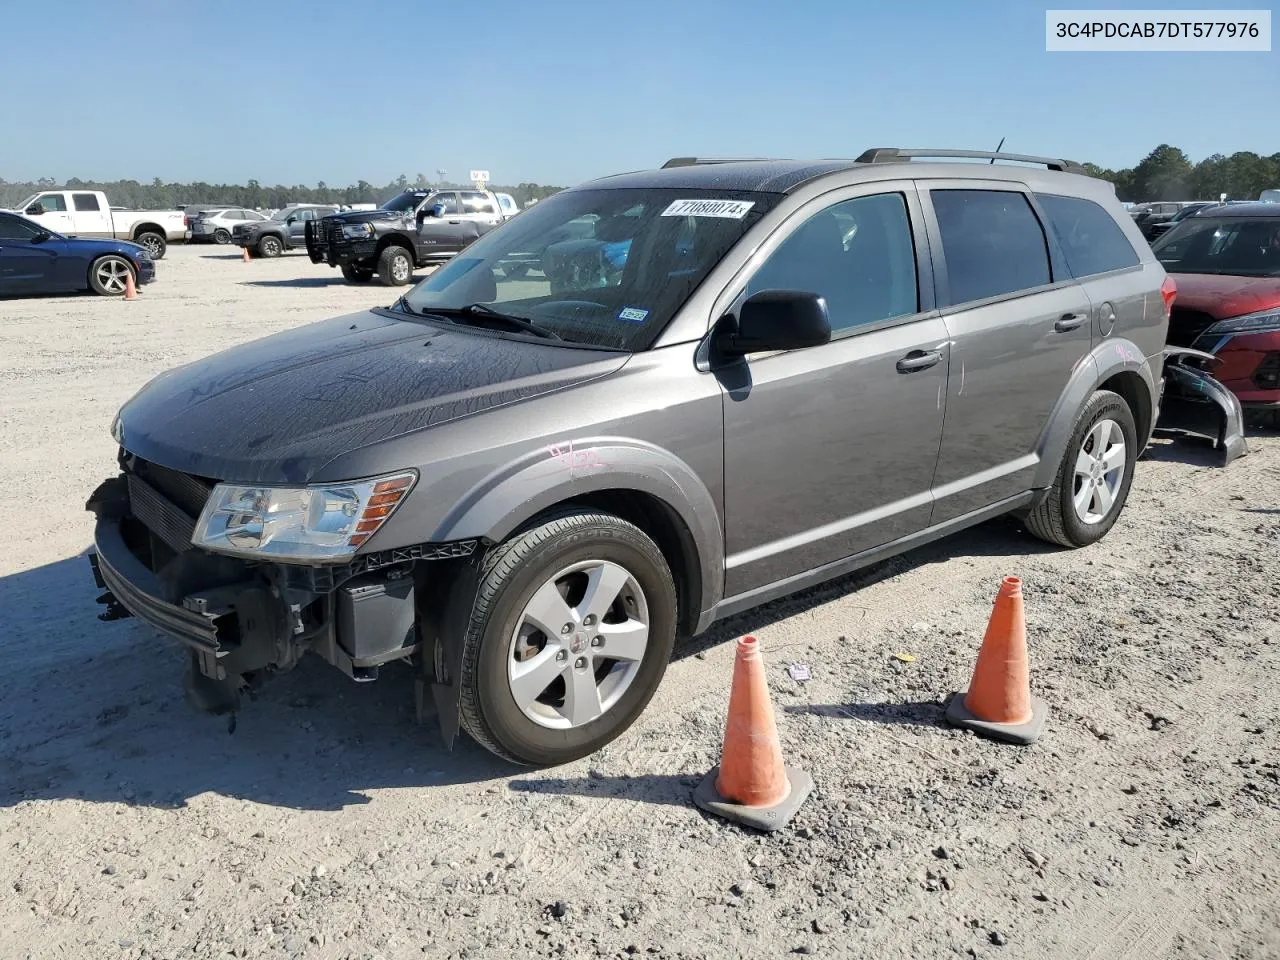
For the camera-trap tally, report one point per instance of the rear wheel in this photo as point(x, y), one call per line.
point(222, 236)
point(270, 246)
point(155, 243)
point(1094, 477)
point(355, 273)
point(108, 275)
point(395, 266)
point(571, 633)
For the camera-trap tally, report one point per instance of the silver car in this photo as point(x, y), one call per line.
point(708, 386)
point(217, 225)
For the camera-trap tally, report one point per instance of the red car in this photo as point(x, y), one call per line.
point(1225, 261)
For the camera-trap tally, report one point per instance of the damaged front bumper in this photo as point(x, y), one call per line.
point(1195, 402)
point(242, 620)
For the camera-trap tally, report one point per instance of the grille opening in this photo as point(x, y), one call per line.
point(1186, 325)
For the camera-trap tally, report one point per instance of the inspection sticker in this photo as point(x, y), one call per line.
point(729, 209)
point(632, 314)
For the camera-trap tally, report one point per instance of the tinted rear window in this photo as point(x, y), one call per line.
point(1091, 240)
point(992, 241)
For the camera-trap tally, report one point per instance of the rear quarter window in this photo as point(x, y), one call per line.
point(1091, 240)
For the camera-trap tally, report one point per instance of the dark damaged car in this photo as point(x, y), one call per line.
point(706, 387)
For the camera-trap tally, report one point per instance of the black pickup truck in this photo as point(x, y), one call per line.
point(413, 229)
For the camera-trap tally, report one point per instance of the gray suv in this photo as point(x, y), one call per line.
point(748, 377)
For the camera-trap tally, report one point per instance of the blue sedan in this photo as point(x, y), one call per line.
point(36, 260)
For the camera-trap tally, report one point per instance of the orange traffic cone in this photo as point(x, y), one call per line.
point(752, 786)
point(130, 291)
point(998, 703)
point(246, 258)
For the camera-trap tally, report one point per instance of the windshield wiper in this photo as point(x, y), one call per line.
point(481, 312)
point(403, 304)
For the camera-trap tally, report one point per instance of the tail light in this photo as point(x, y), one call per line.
point(1168, 291)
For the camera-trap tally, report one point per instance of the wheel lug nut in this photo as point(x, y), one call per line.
point(562, 655)
point(580, 662)
point(597, 641)
point(589, 620)
point(567, 628)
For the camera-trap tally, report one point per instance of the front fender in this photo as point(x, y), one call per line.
point(518, 491)
point(1105, 361)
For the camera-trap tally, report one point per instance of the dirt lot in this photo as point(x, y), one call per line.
point(1146, 824)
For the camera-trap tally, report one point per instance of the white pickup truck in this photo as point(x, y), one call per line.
point(86, 213)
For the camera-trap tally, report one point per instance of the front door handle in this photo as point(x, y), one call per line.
point(919, 360)
point(455, 222)
point(1069, 321)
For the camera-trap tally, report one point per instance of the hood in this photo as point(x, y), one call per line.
point(367, 216)
point(73, 244)
point(278, 409)
point(1223, 297)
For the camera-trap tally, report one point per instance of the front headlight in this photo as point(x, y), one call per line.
point(320, 523)
point(357, 231)
point(1267, 321)
point(117, 430)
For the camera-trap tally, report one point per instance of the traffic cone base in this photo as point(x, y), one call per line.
point(1022, 734)
point(245, 254)
point(769, 818)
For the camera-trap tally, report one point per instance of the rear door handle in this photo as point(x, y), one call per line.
point(1069, 321)
point(919, 360)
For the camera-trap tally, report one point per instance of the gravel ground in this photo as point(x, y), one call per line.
point(1144, 825)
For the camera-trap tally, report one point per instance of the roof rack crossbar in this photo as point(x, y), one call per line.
point(896, 154)
point(698, 161)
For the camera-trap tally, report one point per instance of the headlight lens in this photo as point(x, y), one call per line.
point(1268, 321)
point(117, 430)
point(357, 231)
point(325, 522)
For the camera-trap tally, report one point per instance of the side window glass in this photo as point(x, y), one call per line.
point(992, 241)
point(1091, 240)
point(450, 203)
point(11, 228)
point(85, 202)
point(306, 214)
point(53, 203)
point(858, 254)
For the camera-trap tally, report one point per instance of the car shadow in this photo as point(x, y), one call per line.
point(95, 711)
point(302, 282)
point(1171, 446)
point(1003, 536)
point(668, 789)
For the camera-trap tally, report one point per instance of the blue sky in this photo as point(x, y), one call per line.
point(565, 90)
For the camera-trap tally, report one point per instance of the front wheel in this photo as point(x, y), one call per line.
point(154, 243)
point(354, 273)
point(270, 246)
point(221, 236)
point(571, 632)
point(1094, 477)
point(108, 276)
point(395, 267)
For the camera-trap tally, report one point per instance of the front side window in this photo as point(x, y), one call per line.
point(13, 228)
point(857, 254)
point(85, 202)
point(606, 267)
point(1236, 246)
point(992, 241)
point(53, 203)
point(450, 203)
point(1091, 241)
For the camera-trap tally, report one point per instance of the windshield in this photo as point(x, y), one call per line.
point(27, 202)
point(607, 267)
point(404, 201)
point(285, 214)
point(1242, 247)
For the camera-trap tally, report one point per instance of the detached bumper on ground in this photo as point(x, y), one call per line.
point(1196, 402)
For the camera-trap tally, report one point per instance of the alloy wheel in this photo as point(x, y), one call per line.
point(1099, 472)
point(111, 274)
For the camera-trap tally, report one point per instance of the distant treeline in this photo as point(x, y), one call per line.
point(158, 195)
point(1165, 173)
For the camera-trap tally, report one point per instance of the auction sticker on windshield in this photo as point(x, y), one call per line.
point(730, 209)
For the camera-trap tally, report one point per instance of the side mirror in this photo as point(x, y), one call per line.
point(435, 210)
point(41, 237)
point(292, 220)
point(779, 320)
point(35, 210)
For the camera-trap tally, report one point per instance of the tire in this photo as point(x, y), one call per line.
point(395, 266)
point(530, 564)
point(1058, 519)
point(106, 275)
point(155, 243)
point(270, 246)
point(355, 273)
point(221, 236)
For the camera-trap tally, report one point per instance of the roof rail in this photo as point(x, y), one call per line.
point(698, 161)
point(896, 154)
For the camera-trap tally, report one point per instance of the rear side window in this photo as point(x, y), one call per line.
point(1091, 240)
point(992, 241)
point(477, 203)
point(85, 201)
